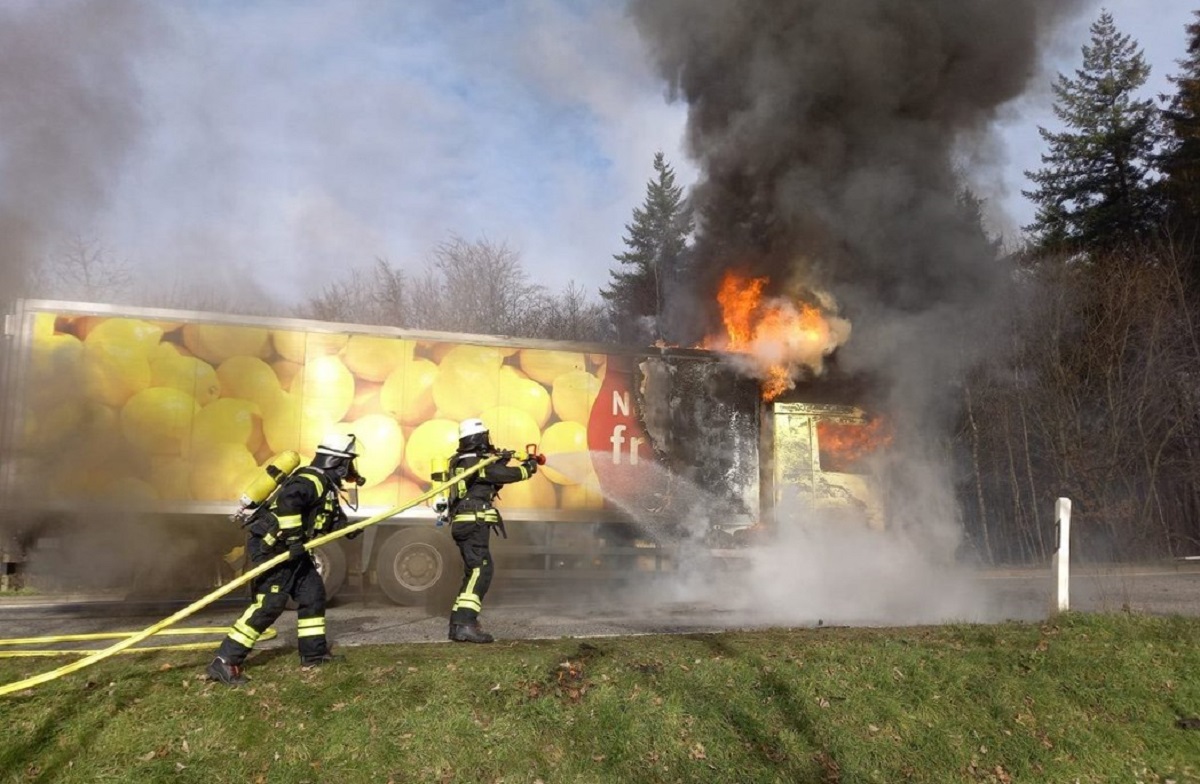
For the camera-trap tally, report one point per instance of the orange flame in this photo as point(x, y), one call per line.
point(843, 444)
point(780, 335)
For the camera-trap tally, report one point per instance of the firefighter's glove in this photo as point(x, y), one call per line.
point(530, 464)
point(296, 550)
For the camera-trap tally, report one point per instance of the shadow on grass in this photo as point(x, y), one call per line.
point(45, 756)
point(763, 735)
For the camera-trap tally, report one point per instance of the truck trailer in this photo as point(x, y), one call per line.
point(137, 428)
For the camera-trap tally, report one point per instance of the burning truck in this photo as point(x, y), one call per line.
point(123, 426)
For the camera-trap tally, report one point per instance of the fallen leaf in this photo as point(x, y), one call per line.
point(697, 752)
point(149, 755)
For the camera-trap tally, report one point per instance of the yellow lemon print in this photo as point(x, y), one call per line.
point(215, 343)
point(157, 420)
point(187, 374)
point(220, 472)
point(526, 394)
point(545, 366)
point(375, 358)
point(326, 388)
point(407, 394)
point(380, 446)
point(573, 395)
point(436, 438)
point(568, 461)
point(249, 378)
point(114, 372)
point(228, 420)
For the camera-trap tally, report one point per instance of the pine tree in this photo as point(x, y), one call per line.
point(1095, 191)
point(657, 242)
point(1180, 161)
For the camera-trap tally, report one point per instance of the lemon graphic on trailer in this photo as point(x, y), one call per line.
point(326, 388)
point(537, 492)
point(168, 368)
point(568, 461)
point(510, 427)
point(407, 394)
point(573, 394)
point(468, 381)
point(380, 446)
point(300, 346)
point(288, 425)
point(545, 366)
point(132, 333)
point(249, 378)
point(158, 420)
point(526, 394)
point(228, 420)
point(56, 358)
point(216, 343)
point(375, 358)
point(434, 439)
point(220, 472)
point(113, 372)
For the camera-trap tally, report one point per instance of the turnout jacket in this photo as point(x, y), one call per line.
point(477, 492)
point(306, 506)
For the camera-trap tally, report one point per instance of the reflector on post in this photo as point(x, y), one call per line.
point(1062, 556)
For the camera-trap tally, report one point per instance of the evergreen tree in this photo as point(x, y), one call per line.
point(657, 242)
point(1095, 191)
point(1180, 162)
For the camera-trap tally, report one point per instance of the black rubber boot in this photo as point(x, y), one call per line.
point(469, 632)
point(223, 671)
point(319, 661)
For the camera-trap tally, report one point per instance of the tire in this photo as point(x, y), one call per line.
point(415, 566)
point(331, 565)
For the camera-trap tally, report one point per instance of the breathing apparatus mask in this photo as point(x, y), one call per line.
point(336, 457)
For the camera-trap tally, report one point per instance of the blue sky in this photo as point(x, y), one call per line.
point(282, 142)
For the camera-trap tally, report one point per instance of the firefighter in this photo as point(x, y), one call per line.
point(307, 505)
point(472, 517)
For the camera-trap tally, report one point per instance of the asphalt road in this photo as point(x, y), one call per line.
point(527, 611)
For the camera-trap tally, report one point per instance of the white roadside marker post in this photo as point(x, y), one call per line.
point(1061, 564)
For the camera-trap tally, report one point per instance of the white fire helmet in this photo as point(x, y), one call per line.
point(339, 445)
point(470, 427)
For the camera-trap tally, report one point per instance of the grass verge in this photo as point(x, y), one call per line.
point(1087, 698)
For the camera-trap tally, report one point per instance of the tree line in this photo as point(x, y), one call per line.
point(1097, 397)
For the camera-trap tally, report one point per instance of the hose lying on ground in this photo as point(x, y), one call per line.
point(52, 640)
point(203, 602)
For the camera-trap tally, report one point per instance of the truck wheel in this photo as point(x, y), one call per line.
point(414, 564)
point(331, 565)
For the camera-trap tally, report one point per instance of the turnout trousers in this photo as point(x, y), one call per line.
point(472, 537)
point(297, 579)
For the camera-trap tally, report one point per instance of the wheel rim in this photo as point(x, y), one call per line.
point(418, 566)
point(322, 564)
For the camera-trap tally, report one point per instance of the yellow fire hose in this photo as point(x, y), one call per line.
point(187, 646)
point(200, 604)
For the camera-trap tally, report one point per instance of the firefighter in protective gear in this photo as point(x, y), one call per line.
point(307, 505)
point(472, 517)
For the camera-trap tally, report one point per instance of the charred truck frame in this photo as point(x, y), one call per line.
point(162, 417)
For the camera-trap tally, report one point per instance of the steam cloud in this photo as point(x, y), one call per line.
point(834, 141)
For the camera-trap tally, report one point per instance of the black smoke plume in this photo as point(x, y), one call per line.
point(834, 140)
point(69, 114)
